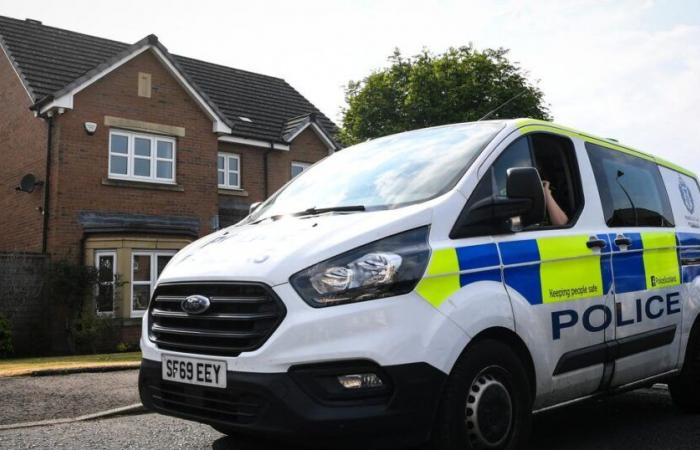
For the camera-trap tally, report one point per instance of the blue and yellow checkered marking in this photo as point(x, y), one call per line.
point(650, 262)
point(554, 269)
point(689, 244)
point(561, 268)
point(628, 266)
point(444, 278)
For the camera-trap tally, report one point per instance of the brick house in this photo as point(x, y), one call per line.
point(136, 151)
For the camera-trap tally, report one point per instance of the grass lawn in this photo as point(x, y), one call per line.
point(25, 366)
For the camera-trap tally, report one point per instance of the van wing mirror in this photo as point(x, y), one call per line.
point(524, 185)
point(523, 205)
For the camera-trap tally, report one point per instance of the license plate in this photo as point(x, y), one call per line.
point(203, 372)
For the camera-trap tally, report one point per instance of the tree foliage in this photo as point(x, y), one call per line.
point(461, 85)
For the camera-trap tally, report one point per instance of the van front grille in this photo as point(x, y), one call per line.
point(242, 316)
point(211, 403)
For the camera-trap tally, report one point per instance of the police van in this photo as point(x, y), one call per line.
point(436, 286)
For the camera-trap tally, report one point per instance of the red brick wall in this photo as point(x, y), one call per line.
point(82, 161)
point(252, 169)
point(22, 151)
point(307, 147)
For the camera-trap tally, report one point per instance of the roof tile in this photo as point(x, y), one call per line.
point(50, 58)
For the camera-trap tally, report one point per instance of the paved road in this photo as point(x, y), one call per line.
point(642, 420)
point(28, 399)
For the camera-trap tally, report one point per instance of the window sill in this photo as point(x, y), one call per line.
point(142, 185)
point(236, 192)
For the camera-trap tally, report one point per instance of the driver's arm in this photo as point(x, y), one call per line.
point(557, 216)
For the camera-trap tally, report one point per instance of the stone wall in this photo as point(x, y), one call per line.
point(23, 301)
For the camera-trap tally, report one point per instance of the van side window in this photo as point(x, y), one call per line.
point(554, 158)
point(631, 189)
point(516, 155)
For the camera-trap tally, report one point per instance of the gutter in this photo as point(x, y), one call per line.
point(36, 107)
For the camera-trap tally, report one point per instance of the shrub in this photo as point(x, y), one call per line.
point(71, 284)
point(122, 347)
point(92, 333)
point(5, 337)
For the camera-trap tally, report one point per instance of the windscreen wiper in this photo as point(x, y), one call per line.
point(315, 211)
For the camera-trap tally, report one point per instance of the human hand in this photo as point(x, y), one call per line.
point(547, 187)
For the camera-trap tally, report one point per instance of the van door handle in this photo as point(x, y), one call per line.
point(621, 240)
point(594, 242)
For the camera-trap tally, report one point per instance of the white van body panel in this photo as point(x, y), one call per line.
point(389, 331)
point(687, 220)
point(272, 251)
point(407, 328)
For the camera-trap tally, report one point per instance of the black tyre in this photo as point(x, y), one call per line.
point(228, 431)
point(685, 388)
point(487, 402)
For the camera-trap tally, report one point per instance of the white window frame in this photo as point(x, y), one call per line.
point(227, 168)
point(153, 255)
point(113, 254)
point(303, 166)
point(131, 156)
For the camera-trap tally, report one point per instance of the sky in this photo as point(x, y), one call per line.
point(623, 69)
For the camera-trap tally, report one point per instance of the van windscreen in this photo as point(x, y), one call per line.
point(385, 173)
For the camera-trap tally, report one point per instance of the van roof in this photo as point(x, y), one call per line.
point(534, 125)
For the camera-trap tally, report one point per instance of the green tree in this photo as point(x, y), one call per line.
point(461, 85)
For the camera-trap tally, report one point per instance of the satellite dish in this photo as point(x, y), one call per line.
point(28, 183)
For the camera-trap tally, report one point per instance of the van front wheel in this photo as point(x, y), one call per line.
point(228, 431)
point(685, 388)
point(487, 402)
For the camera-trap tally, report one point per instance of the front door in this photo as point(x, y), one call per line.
point(557, 273)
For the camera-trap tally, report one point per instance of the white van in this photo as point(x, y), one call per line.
point(438, 286)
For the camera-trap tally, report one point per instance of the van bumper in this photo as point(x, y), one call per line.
point(307, 404)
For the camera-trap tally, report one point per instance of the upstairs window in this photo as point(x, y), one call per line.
point(141, 157)
point(631, 189)
point(228, 168)
point(299, 167)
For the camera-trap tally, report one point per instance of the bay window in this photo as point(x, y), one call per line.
point(106, 265)
point(146, 267)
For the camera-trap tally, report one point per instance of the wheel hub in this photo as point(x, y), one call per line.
point(489, 411)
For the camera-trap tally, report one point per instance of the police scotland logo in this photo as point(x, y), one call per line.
point(686, 196)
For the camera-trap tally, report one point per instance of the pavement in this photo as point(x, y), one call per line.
point(642, 420)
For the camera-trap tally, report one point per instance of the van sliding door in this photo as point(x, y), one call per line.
point(646, 275)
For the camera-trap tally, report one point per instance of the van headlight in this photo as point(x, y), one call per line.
point(384, 268)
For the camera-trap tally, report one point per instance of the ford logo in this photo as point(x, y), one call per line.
point(195, 304)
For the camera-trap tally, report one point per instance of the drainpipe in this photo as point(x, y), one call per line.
point(47, 186)
point(265, 169)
